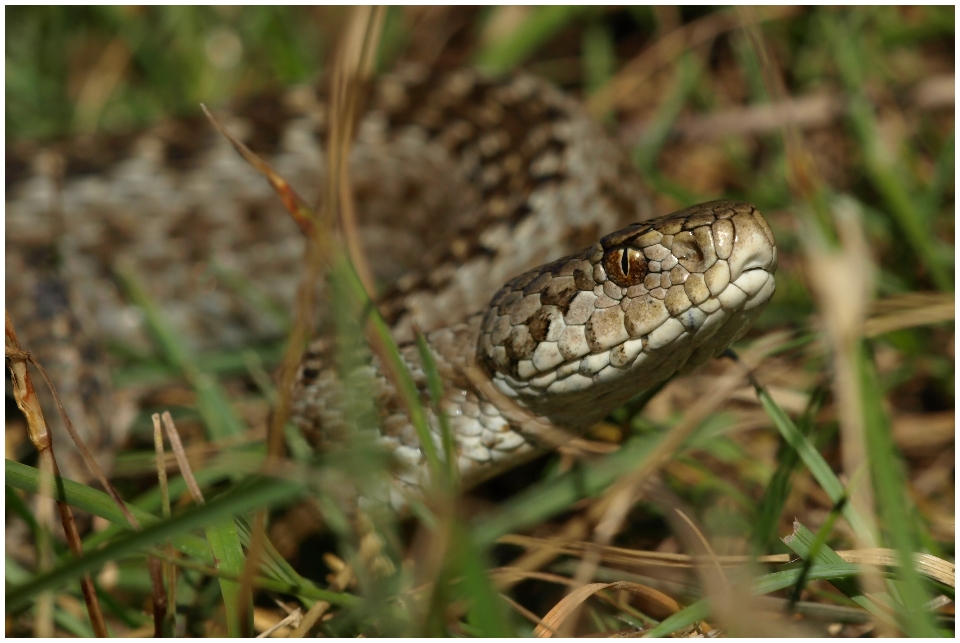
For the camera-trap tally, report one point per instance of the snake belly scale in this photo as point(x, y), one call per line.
point(464, 185)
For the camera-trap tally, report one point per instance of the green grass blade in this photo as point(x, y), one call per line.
point(212, 401)
point(486, 611)
point(684, 618)
point(436, 395)
point(942, 177)
point(890, 484)
point(887, 173)
point(229, 559)
point(818, 467)
point(819, 542)
point(97, 503)
point(542, 24)
point(688, 74)
point(544, 500)
point(599, 57)
point(258, 493)
point(778, 488)
point(220, 468)
point(763, 585)
point(806, 544)
point(406, 385)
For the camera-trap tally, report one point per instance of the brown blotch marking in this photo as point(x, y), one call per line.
point(183, 140)
point(624, 236)
point(498, 297)
point(520, 345)
point(539, 283)
point(508, 301)
point(519, 283)
point(486, 362)
point(559, 292)
point(583, 278)
point(539, 323)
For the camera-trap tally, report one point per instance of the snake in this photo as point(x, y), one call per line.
point(498, 218)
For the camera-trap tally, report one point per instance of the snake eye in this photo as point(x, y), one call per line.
point(625, 266)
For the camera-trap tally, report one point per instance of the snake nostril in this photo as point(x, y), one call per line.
point(688, 251)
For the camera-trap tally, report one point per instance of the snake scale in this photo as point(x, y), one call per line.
point(464, 186)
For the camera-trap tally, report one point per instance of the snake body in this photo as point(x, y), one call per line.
point(464, 185)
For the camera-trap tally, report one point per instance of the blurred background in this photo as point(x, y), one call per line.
point(837, 123)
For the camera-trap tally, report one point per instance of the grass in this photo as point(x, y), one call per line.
point(827, 436)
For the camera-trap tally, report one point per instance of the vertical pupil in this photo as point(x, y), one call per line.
point(624, 262)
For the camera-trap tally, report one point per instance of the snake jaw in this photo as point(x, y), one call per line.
point(576, 338)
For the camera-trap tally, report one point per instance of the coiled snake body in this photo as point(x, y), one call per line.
point(463, 185)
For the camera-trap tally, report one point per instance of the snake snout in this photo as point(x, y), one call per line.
point(754, 246)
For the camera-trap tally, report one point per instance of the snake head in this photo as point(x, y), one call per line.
point(574, 339)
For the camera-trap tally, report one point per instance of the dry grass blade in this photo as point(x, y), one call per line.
point(225, 545)
point(931, 566)
point(312, 227)
point(354, 65)
point(805, 112)
point(25, 396)
point(571, 603)
point(711, 555)
point(295, 205)
point(936, 568)
point(169, 569)
point(730, 598)
point(181, 455)
point(100, 84)
point(545, 551)
point(908, 311)
point(524, 612)
point(352, 71)
point(843, 306)
point(344, 576)
point(634, 558)
point(803, 176)
point(293, 618)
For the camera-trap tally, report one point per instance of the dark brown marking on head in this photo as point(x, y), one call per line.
point(541, 320)
point(583, 278)
point(520, 344)
point(559, 292)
